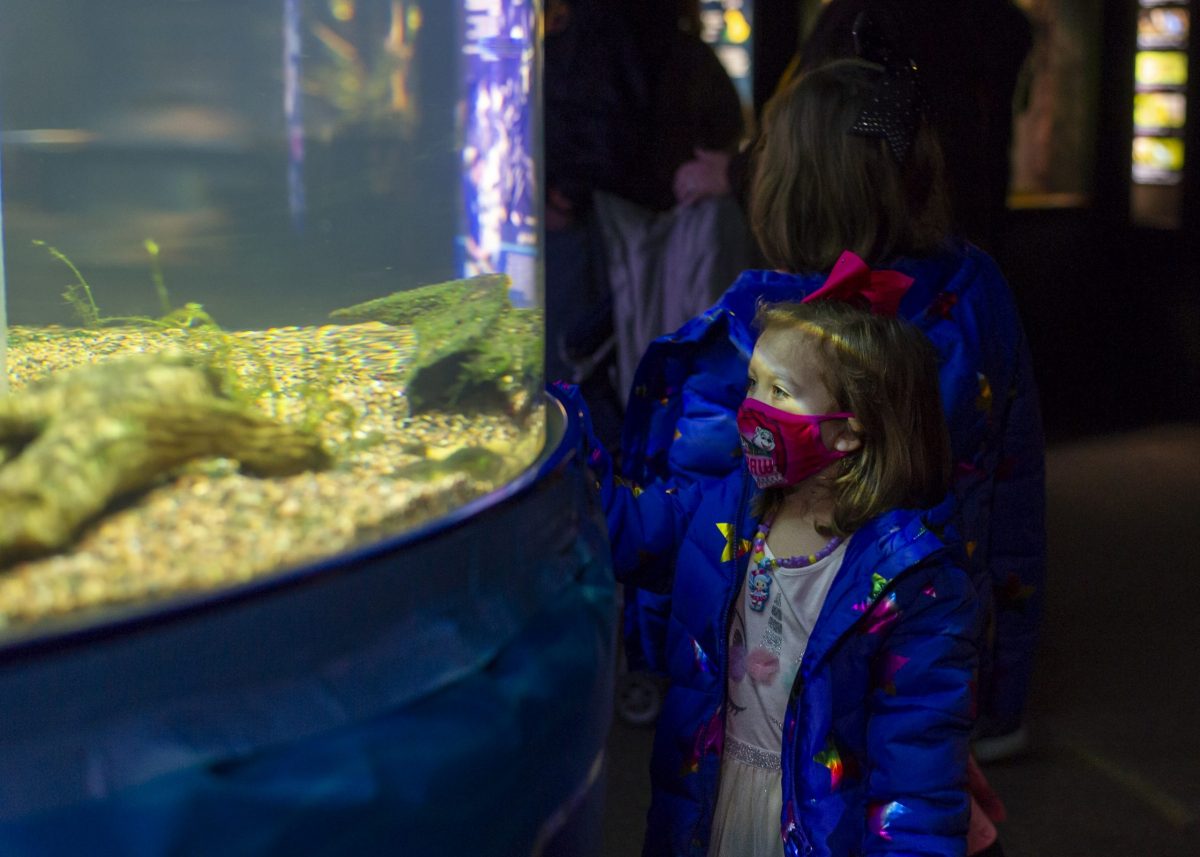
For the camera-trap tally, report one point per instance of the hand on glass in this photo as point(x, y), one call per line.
point(705, 176)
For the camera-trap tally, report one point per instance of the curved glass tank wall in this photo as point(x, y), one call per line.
point(297, 556)
point(271, 285)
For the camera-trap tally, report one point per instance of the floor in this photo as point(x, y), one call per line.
point(1114, 767)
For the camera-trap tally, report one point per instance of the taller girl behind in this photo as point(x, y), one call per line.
point(847, 161)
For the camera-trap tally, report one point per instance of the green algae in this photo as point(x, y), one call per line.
point(474, 349)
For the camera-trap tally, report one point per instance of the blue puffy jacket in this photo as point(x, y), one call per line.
point(875, 736)
point(679, 428)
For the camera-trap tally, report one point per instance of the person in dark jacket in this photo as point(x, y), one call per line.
point(823, 631)
point(630, 90)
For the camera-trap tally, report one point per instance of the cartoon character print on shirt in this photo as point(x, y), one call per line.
point(761, 663)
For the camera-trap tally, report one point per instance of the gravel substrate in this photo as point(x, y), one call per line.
point(209, 526)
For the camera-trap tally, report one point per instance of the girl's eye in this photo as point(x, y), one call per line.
point(779, 392)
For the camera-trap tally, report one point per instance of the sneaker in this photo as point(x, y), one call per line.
point(995, 748)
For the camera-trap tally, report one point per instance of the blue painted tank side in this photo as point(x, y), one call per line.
point(447, 695)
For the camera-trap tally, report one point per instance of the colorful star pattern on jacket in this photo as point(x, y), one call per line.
point(881, 815)
point(708, 740)
point(789, 818)
point(884, 614)
point(743, 545)
point(983, 403)
point(942, 305)
point(1015, 592)
point(892, 664)
point(964, 470)
point(831, 759)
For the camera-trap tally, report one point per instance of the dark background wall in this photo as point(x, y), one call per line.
point(1112, 309)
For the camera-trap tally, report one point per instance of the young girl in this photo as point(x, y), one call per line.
point(822, 634)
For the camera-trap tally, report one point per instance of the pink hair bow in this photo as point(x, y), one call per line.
point(852, 281)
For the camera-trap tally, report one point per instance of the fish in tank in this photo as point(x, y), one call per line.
point(270, 286)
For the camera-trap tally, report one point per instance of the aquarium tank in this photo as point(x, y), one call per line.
point(270, 286)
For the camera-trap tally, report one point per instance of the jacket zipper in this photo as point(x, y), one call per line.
point(798, 683)
point(723, 639)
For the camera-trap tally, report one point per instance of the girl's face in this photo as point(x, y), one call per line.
point(785, 373)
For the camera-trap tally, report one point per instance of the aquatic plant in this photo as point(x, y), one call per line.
point(80, 298)
point(78, 293)
point(160, 285)
point(242, 370)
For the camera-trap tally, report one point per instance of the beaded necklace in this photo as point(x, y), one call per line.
point(758, 590)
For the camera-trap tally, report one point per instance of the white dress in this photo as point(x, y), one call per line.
point(765, 650)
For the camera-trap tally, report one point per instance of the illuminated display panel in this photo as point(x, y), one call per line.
point(1163, 27)
point(1160, 68)
point(727, 26)
point(1159, 112)
point(1157, 160)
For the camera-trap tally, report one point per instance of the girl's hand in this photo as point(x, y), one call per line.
point(705, 176)
point(596, 457)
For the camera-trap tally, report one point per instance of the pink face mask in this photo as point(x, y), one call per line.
point(783, 448)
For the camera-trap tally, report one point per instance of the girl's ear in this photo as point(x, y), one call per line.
point(849, 436)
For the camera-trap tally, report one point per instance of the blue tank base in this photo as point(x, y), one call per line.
point(501, 753)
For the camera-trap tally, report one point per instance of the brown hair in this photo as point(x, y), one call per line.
point(884, 371)
point(819, 190)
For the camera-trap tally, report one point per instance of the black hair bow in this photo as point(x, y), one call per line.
point(895, 106)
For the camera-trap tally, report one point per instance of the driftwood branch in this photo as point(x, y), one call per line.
point(85, 438)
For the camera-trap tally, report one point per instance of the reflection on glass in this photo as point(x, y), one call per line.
point(499, 188)
point(1160, 68)
point(1159, 110)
